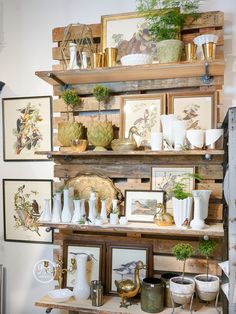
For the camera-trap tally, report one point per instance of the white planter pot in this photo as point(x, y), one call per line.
point(182, 291)
point(207, 290)
point(182, 210)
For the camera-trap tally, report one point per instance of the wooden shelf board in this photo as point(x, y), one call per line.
point(130, 73)
point(111, 306)
point(214, 230)
point(91, 153)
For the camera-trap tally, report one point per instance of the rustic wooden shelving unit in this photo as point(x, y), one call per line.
point(133, 170)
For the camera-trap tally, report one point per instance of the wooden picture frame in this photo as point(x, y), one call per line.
point(23, 203)
point(96, 267)
point(27, 127)
point(146, 111)
point(118, 30)
point(141, 205)
point(121, 259)
point(199, 109)
point(163, 177)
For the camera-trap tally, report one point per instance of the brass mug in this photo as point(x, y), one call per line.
point(190, 51)
point(97, 60)
point(110, 56)
point(209, 51)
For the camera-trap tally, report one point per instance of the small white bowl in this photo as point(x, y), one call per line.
point(60, 295)
point(136, 59)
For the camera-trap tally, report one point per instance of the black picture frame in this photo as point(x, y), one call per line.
point(20, 215)
point(32, 117)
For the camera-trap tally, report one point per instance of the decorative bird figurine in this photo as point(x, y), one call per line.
point(128, 288)
point(126, 144)
point(162, 218)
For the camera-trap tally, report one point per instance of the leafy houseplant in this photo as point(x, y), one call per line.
point(69, 131)
point(165, 18)
point(182, 288)
point(207, 285)
point(100, 133)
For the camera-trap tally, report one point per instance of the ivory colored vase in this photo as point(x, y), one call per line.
point(81, 289)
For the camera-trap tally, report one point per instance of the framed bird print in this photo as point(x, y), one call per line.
point(132, 262)
point(143, 112)
point(26, 127)
point(95, 261)
point(23, 204)
point(197, 108)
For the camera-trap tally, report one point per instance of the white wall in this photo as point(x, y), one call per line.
point(25, 47)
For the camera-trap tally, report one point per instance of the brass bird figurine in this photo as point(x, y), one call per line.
point(128, 288)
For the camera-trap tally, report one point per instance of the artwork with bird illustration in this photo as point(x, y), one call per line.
point(27, 127)
point(24, 202)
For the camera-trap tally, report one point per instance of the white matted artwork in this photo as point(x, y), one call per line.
point(22, 207)
point(93, 266)
point(128, 32)
point(142, 205)
point(144, 112)
point(198, 109)
point(27, 127)
point(164, 178)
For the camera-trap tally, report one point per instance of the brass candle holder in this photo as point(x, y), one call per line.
point(111, 56)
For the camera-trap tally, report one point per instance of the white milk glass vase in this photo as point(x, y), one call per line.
point(73, 57)
point(66, 212)
point(82, 207)
point(167, 128)
point(46, 215)
point(56, 211)
point(104, 212)
point(81, 289)
point(77, 211)
point(92, 214)
point(197, 222)
point(205, 197)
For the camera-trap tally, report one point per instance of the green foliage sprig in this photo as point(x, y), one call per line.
point(178, 189)
point(165, 18)
point(71, 99)
point(102, 95)
point(206, 248)
point(182, 252)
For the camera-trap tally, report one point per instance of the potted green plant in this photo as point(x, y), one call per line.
point(100, 133)
point(207, 285)
point(69, 131)
point(165, 19)
point(181, 287)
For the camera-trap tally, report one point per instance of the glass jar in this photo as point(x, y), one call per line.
point(152, 295)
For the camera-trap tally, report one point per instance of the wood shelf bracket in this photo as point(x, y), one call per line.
point(49, 310)
point(49, 229)
point(59, 81)
point(207, 157)
point(206, 78)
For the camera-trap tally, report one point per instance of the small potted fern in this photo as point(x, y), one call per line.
point(181, 287)
point(207, 285)
point(69, 131)
point(100, 133)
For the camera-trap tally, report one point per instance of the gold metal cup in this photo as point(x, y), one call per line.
point(102, 59)
point(209, 51)
point(190, 51)
point(110, 56)
point(95, 60)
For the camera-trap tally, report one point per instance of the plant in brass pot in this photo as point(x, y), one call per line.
point(207, 285)
point(69, 131)
point(165, 19)
point(100, 133)
point(181, 287)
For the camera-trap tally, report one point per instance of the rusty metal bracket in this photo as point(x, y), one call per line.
point(64, 86)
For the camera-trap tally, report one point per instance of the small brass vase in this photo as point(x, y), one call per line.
point(209, 51)
point(190, 51)
point(111, 56)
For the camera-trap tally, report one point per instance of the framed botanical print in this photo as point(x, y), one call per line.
point(26, 127)
point(197, 108)
point(142, 205)
point(143, 112)
point(121, 261)
point(164, 178)
point(128, 32)
point(95, 264)
point(23, 204)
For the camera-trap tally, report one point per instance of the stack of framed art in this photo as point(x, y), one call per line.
point(27, 127)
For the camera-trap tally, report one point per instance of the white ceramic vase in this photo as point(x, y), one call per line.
point(182, 210)
point(179, 127)
point(66, 212)
point(115, 205)
point(195, 138)
point(212, 136)
point(92, 213)
point(46, 214)
point(56, 211)
point(167, 128)
point(156, 141)
point(205, 196)
point(73, 57)
point(82, 207)
point(58, 198)
point(77, 211)
point(103, 213)
point(114, 219)
point(197, 222)
point(81, 289)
